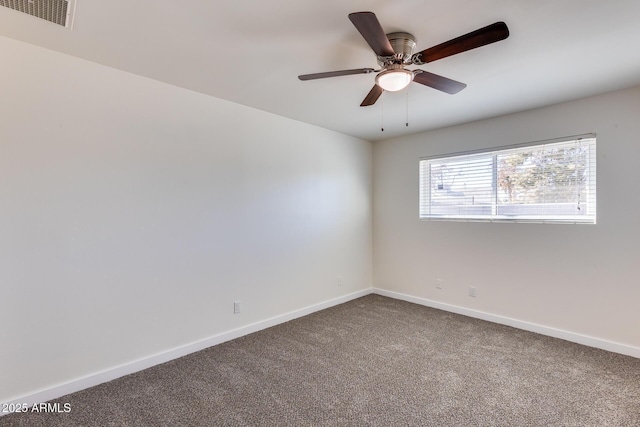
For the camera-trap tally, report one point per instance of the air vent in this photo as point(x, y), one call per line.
point(56, 11)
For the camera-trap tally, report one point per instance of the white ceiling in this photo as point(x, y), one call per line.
point(251, 52)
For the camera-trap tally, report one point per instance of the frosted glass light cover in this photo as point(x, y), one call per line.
point(394, 80)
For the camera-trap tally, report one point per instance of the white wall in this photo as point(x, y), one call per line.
point(581, 279)
point(133, 214)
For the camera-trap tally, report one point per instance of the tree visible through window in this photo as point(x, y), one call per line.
point(551, 182)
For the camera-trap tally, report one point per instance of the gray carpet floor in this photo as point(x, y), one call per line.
point(374, 361)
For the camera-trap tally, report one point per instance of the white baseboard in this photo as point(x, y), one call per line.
point(520, 324)
point(95, 379)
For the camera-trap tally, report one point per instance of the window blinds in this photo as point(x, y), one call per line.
point(537, 182)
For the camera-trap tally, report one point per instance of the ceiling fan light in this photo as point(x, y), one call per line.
point(394, 80)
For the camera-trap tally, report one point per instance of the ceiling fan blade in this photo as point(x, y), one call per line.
point(335, 73)
point(371, 30)
point(372, 96)
point(438, 82)
point(484, 36)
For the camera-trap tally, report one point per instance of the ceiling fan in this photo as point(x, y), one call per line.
point(394, 52)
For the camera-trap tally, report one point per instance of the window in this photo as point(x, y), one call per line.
point(537, 182)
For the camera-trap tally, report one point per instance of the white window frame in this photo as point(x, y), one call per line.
point(589, 204)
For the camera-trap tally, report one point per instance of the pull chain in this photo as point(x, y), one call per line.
point(407, 110)
point(406, 113)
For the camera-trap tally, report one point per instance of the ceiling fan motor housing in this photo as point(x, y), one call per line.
point(403, 45)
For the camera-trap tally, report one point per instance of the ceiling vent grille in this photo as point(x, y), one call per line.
point(56, 11)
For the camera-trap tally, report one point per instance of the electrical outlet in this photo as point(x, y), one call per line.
point(472, 291)
point(236, 307)
point(340, 281)
point(438, 283)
